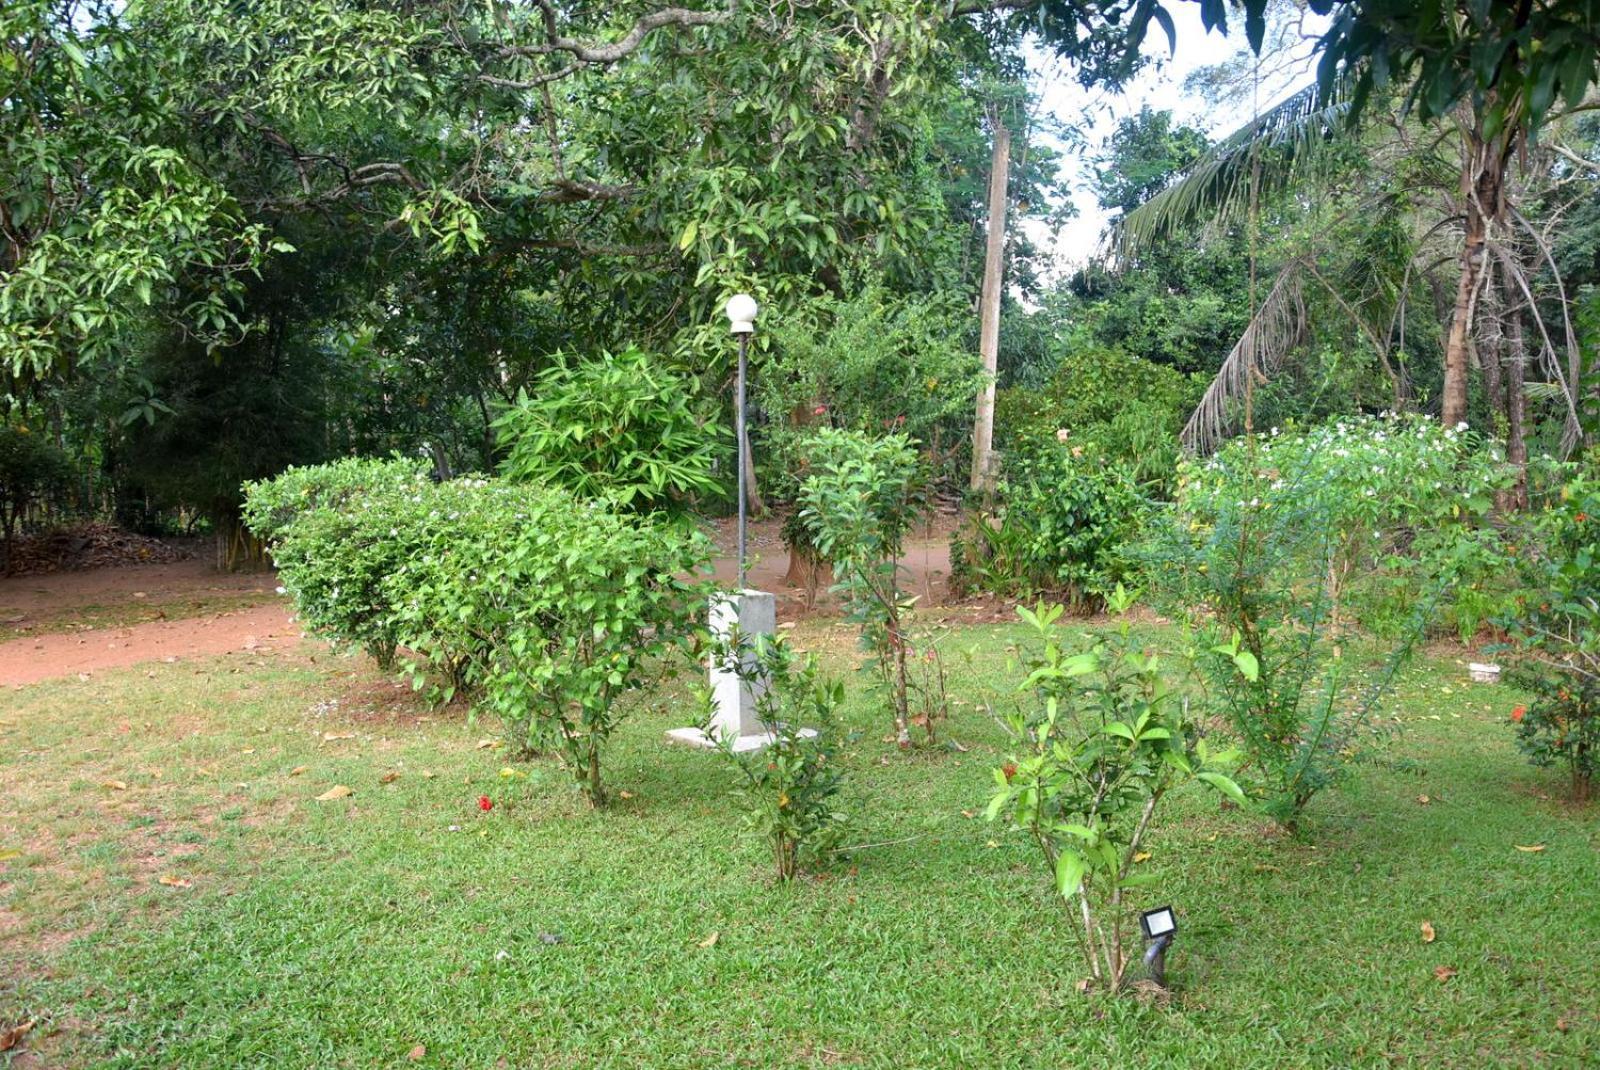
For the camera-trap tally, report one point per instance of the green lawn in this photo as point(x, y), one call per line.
point(347, 933)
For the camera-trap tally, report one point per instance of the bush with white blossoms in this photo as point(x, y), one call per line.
point(1272, 540)
point(1400, 506)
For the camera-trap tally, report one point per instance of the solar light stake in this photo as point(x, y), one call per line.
point(742, 309)
point(1160, 926)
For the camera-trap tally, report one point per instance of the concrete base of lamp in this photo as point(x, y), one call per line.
point(752, 613)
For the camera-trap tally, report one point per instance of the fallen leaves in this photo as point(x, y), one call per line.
point(1423, 800)
point(13, 1036)
point(175, 882)
point(299, 769)
point(417, 1054)
point(488, 744)
point(1443, 973)
point(711, 941)
point(1427, 932)
point(390, 777)
point(329, 737)
point(338, 791)
point(1532, 849)
point(8, 855)
point(115, 785)
point(1142, 856)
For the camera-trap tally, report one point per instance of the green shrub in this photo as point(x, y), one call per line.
point(618, 426)
point(30, 465)
point(790, 787)
point(858, 500)
point(1102, 744)
point(558, 607)
point(545, 607)
point(1066, 518)
point(337, 532)
point(1125, 409)
point(1556, 637)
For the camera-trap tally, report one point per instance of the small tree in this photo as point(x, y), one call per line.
point(790, 787)
point(30, 464)
point(858, 500)
point(1101, 745)
point(1556, 653)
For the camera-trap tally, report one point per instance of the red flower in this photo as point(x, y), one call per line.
point(1581, 517)
point(485, 803)
point(819, 410)
point(1009, 770)
point(1518, 714)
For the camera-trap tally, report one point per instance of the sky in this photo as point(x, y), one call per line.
point(1286, 65)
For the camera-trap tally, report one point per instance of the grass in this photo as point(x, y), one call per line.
point(347, 933)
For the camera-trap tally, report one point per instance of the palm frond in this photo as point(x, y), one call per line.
point(1275, 147)
point(1277, 328)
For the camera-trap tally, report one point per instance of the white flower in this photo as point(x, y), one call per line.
point(1462, 426)
point(283, 590)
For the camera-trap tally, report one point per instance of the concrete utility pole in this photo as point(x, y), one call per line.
point(989, 309)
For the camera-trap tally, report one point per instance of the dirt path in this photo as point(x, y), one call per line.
point(260, 628)
point(82, 622)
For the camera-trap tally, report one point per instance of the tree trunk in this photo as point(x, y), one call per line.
point(752, 494)
point(989, 311)
point(1516, 397)
point(1453, 408)
point(1483, 172)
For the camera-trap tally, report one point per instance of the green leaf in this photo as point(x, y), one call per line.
point(1249, 667)
point(1225, 785)
point(1070, 868)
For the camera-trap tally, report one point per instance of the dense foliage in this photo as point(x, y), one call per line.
point(1556, 636)
point(621, 427)
point(30, 466)
point(1068, 518)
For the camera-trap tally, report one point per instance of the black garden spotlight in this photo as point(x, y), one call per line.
point(1160, 926)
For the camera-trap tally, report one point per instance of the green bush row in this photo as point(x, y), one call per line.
point(543, 607)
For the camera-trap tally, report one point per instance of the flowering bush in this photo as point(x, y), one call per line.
point(1398, 499)
point(1557, 638)
point(1261, 550)
point(1104, 741)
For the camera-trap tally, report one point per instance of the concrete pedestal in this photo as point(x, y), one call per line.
point(753, 613)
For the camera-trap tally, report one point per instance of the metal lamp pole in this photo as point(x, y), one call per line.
point(742, 309)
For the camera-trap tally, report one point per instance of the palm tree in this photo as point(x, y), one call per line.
point(1295, 147)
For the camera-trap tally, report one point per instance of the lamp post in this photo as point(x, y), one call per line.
point(739, 616)
point(742, 310)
